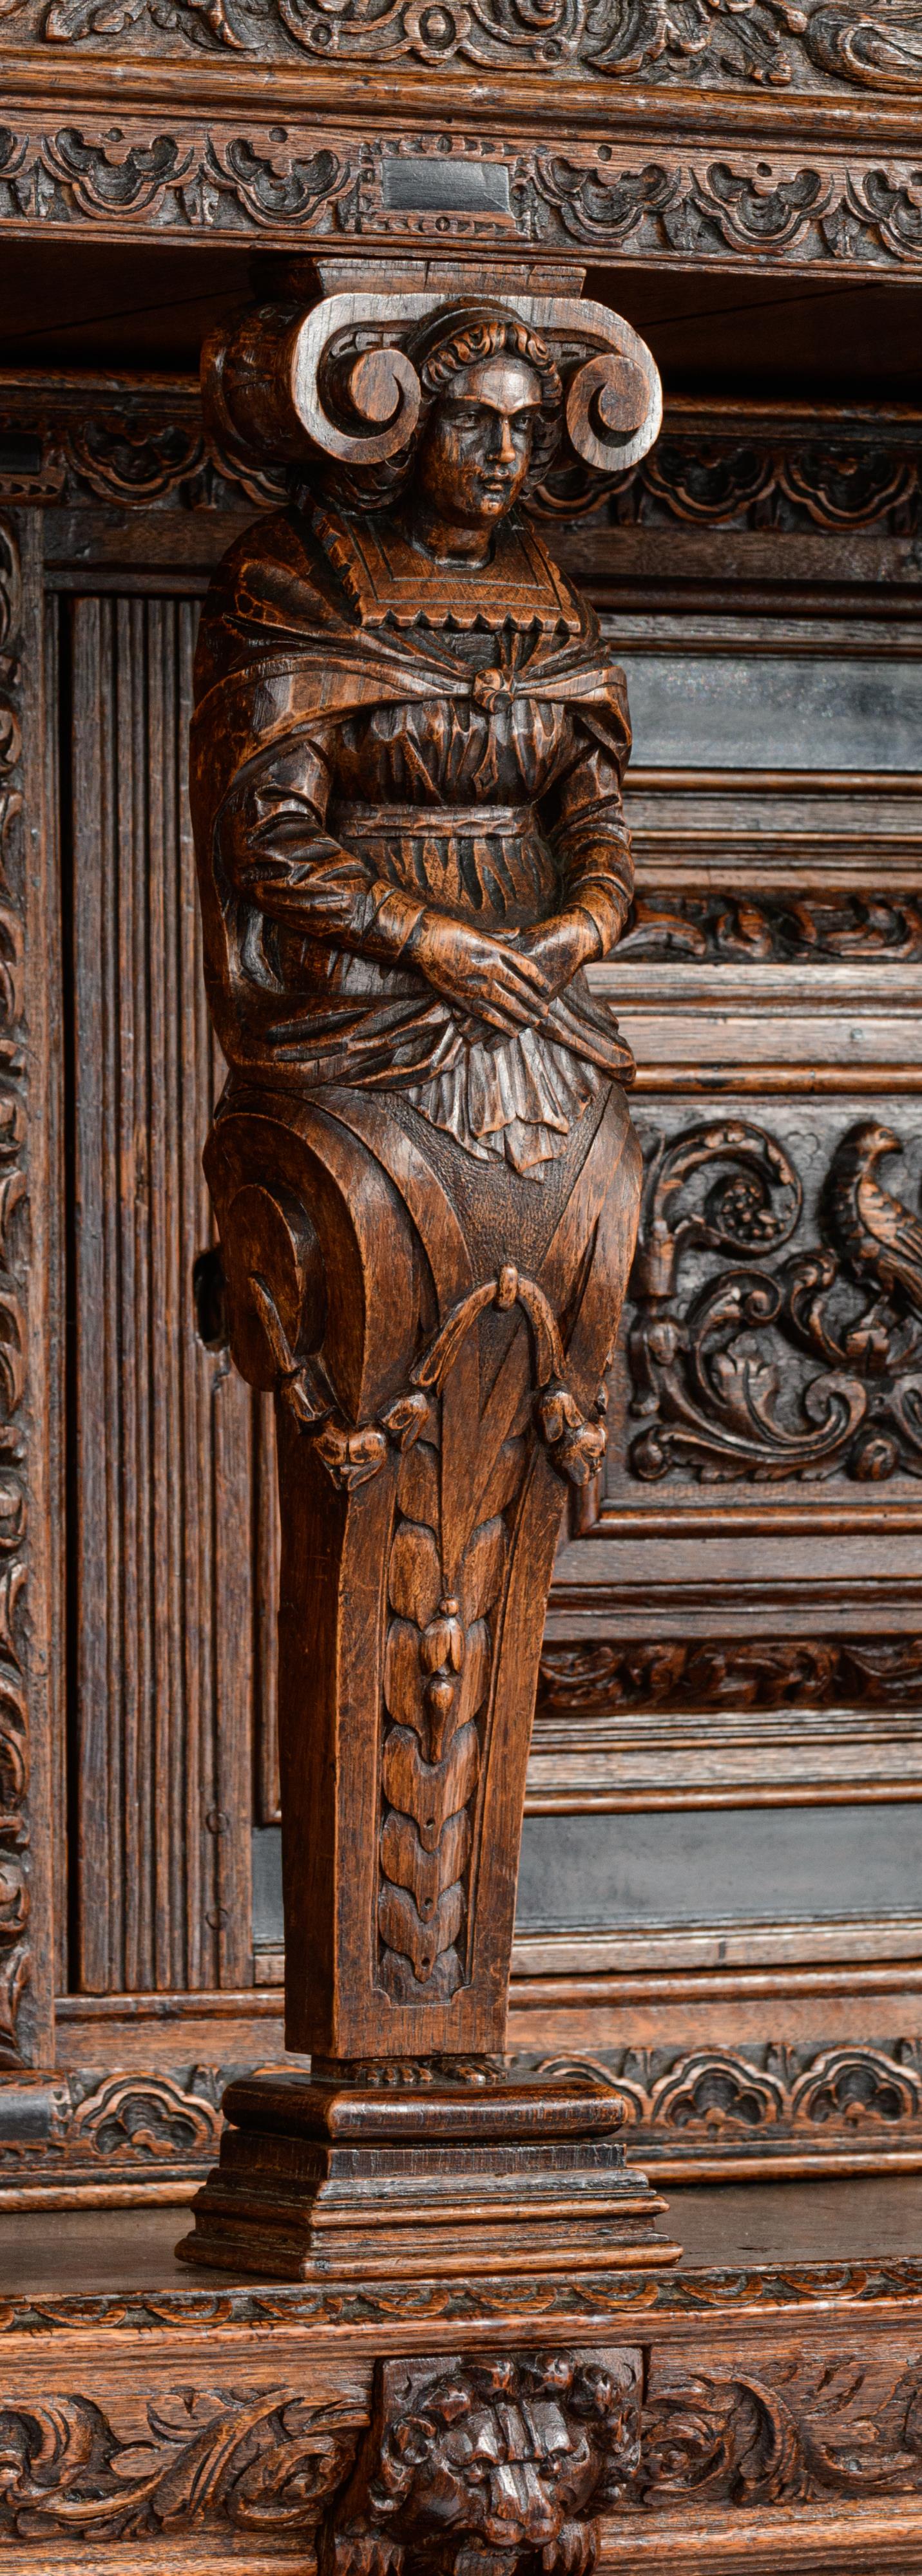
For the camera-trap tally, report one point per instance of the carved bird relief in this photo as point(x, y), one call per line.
point(877, 1233)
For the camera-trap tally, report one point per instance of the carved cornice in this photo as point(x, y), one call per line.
point(830, 46)
point(826, 207)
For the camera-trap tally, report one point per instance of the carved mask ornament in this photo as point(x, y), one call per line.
point(408, 751)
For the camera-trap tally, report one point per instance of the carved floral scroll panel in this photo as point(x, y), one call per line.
point(776, 1329)
point(518, 2451)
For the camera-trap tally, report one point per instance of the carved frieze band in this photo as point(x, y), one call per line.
point(847, 211)
point(140, 446)
point(464, 2457)
point(859, 1673)
point(83, 2133)
point(828, 45)
point(14, 1726)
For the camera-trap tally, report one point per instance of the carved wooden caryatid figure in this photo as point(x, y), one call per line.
point(407, 759)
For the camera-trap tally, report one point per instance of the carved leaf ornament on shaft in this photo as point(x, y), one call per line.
point(791, 1363)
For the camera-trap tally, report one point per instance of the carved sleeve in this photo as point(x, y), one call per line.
point(278, 856)
point(593, 844)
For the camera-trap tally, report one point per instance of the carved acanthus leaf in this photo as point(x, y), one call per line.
point(261, 2464)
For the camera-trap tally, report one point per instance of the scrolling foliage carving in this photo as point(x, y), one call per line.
point(745, 930)
point(795, 2434)
point(735, 1673)
point(260, 2463)
point(767, 41)
point(14, 1739)
point(806, 1368)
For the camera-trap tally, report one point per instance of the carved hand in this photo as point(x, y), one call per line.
point(475, 973)
point(560, 947)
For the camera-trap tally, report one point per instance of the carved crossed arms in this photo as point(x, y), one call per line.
point(280, 858)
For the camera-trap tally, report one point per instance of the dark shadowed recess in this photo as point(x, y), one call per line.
point(149, 305)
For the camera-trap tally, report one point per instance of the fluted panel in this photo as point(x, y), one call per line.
point(162, 1612)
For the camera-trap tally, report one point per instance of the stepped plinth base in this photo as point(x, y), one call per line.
point(335, 2180)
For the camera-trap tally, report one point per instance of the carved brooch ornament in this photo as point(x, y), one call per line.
point(795, 1362)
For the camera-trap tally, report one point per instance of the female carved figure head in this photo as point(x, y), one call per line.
point(385, 408)
point(490, 420)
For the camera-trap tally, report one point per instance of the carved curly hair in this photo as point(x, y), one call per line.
point(449, 341)
point(466, 338)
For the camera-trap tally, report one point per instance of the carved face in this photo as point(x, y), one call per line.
point(477, 448)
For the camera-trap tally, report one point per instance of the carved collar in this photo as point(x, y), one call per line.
point(391, 583)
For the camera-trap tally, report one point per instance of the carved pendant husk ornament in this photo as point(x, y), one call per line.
point(407, 758)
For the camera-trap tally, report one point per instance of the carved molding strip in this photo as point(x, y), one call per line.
point(288, 183)
point(808, 2288)
point(856, 44)
point(14, 1719)
point(873, 1673)
point(788, 1360)
point(763, 2101)
point(685, 2106)
point(142, 447)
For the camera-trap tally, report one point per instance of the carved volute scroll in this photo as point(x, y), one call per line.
point(406, 779)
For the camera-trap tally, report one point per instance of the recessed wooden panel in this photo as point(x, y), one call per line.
point(160, 1540)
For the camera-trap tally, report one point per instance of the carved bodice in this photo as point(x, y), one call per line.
point(468, 758)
